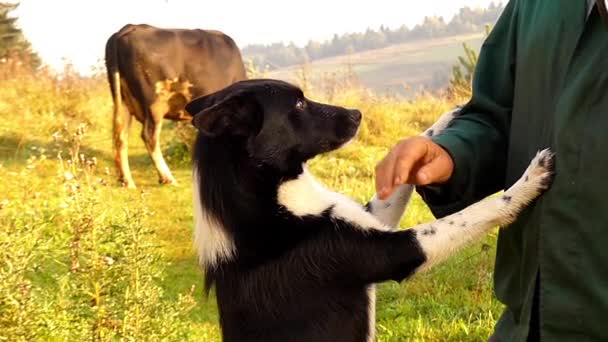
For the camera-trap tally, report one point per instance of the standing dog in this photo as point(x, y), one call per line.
point(290, 259)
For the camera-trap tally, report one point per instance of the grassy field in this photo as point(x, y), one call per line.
point(402, 69)
point(83, 259)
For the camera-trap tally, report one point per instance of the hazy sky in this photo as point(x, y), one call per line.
point(78, 29)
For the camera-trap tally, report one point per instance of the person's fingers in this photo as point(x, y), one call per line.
point(417, 161)
point(395, 167)
point(411, 153)
point(384, 175)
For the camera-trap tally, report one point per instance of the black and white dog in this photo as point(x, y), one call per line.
point(290, 259)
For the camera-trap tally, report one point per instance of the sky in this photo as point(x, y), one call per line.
point(77, 30)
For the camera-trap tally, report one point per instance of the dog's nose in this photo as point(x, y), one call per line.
point(356, 114)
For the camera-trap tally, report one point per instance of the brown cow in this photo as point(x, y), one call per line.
point(154, 72)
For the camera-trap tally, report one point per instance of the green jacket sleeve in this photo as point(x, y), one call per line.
point(477, 139)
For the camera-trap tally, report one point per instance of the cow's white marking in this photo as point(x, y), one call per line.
point(211, 240)
point(164, 172)
point(172, 95)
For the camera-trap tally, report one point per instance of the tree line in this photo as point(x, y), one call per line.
point(467, 20)
point(12, 41)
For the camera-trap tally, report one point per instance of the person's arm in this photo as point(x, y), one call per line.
point(477, 139)
point(467, 161)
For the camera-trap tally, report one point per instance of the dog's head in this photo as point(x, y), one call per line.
point(273, 121)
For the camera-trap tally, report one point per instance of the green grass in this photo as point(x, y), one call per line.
point(453, 301)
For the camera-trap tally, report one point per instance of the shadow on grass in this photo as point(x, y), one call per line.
point(17, 149)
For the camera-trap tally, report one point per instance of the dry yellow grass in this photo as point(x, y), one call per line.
point(40, 115)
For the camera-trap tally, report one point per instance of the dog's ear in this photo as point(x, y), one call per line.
point(232, 114)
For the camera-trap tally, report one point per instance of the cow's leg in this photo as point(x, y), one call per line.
point(151, 136)
point(121, 127)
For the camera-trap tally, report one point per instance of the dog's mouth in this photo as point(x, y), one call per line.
point(347, 130)
point(352, 138)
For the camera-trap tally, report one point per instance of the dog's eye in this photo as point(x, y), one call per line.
point(300, 105)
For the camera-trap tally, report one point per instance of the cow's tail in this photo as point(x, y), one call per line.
point(113, 71)
point(121, 118)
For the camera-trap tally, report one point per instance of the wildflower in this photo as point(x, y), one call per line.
point(108, 260)
point(56, 136)
point(25, 288)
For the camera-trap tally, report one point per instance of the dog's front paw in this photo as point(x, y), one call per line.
point(541, 171)
point(537, 178)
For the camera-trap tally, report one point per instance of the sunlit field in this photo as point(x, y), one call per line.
point(84, 259)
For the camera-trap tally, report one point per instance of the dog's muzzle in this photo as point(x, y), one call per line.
point(355, 116)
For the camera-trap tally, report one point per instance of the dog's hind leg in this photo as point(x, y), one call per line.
point(391, 210)
point(441, 238)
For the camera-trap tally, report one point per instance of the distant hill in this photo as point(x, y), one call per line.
point(402, 69)
point(466, 21)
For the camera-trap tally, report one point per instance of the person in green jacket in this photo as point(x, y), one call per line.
point(541, 81)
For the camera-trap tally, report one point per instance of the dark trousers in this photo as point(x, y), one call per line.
point(534, 331)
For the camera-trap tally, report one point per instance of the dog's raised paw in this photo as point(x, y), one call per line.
point(536, 180)
point(541, 170)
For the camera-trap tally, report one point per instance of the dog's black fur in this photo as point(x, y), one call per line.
point(290, 260)
point(291, 278)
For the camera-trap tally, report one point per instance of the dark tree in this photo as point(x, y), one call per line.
point(12, 41)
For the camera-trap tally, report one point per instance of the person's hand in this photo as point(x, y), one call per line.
point(417, 161)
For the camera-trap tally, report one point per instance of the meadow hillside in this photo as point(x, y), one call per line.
point(83, 259)
point(402, 69)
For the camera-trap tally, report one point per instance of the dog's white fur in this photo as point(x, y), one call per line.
point(211, 241)
point(371, 313)
point(439, 239)
point(391, 210)
point(305, 196)
point(454, 231)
